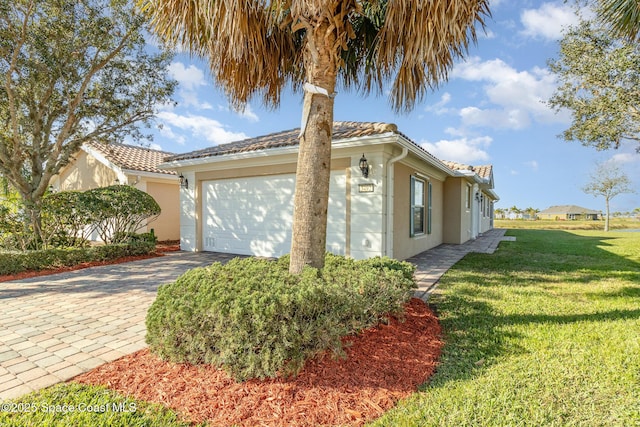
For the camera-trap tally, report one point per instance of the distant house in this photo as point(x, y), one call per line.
point(387, 195)
point(101, 165)
point(569, 212)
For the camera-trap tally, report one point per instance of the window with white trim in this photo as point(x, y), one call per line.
point(417, 206)
point(429, 204)
point(420, 216)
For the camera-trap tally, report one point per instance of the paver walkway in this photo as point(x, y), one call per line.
point(432, 264)
point(53, 328)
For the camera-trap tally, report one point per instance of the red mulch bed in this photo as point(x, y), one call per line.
point(160, 249)
point(383, 364)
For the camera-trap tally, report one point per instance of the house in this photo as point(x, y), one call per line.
point(101, 165)
point(238, 197)
point(569, 212)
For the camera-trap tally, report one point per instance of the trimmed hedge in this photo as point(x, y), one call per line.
point(255, 320)
point(17, 262)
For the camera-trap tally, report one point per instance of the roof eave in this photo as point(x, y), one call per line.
point(357, 141)
point(171, 176)
point(338, 144)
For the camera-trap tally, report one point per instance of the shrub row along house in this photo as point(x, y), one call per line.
point(388, 196)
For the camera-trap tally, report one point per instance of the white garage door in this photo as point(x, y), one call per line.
point(253, 216)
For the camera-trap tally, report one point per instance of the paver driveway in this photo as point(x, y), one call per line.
point(55, 327)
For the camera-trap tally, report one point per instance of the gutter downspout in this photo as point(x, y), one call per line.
point(389, 225)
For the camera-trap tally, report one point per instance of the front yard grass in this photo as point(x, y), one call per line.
point(546, 331)
point(79, 405)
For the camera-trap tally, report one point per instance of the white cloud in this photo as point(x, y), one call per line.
point(440, 106)
point(548, 21)
point(517, 97)
point(624, 158)
point(486, 34)
point(168, 133)
point(201, 127)
point(463, 150)
point(532, 164)
point(189, 78)
point(500, 119)
point(247, 113)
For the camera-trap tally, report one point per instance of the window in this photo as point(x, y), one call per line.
point(417, 206)
point(429, 209)
point(420, 214)
point(468, 197)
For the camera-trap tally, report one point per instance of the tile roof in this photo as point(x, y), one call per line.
point(135, 158)
point(289, 138)
point(567, 209)
point(483, 171)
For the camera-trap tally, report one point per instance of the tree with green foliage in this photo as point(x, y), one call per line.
point(607, 181)
point(515, 211)
point(71, 71)
point(532, 212)
point(599, 83)
point(260, 47)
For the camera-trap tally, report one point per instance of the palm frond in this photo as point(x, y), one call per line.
point(257, 46)
point(421, 39)
point(623, 16)
point(248, 52)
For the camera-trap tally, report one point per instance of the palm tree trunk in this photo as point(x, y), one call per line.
point(309, 236)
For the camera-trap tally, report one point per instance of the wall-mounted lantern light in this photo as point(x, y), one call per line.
point(364, 166)
point(478, 196)
point(184, 182)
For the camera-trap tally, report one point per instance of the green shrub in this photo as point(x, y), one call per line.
point(255, 320)
point(68, 218)
point(121, 210)
point(17, 262)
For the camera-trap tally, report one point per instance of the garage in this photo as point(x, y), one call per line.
point(254, 215)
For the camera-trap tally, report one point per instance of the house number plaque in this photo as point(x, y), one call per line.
point(365, 188)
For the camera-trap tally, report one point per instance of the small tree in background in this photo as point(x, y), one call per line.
point(607, 181)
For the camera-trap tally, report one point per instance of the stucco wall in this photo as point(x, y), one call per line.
point(166, 226)
point(456, 222)
point(84, 174)
point(405, 246)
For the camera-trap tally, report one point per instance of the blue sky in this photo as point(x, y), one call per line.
point(490, 111)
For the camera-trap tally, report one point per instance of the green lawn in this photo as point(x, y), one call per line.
point(70, 404)
point(545, 332)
